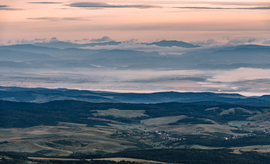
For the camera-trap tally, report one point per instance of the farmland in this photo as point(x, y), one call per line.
point(72, 128)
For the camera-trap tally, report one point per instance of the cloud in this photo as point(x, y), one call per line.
point(57, 18)
point(54, 39)
point(169, 79)
point(241, 3)
point(103, 39)
point(256, 81)
point(244, 3)
point(82, 40)
point(45, 2)
point(9, 42)
point(266, 42)
point(36, 40)
point(242, 40)
point(256, 8)
point(106, 5)
point(226, 8)
point(205, 43)
point(240, 74)
point(6, 7)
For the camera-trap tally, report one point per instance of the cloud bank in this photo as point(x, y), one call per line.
point(226, 8)
point(57, 18)
point(236, 41)
point(45, 2)
point(36, 40)
point(106, 5)
point(169, 79)
point(205, 43)
point(266, 42)
point(103, 39)
point(242, 3)
point(6, 7)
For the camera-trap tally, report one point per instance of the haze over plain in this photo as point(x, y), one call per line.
point(129, 46)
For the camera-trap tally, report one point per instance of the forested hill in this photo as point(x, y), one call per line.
point(21, 114)
point(42, 95)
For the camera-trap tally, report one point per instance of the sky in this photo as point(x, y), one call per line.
point(128, 19)
point(212, 24)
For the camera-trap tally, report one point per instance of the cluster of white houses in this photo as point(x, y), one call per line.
point(167, 136)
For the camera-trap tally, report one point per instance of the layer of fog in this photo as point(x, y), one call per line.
point(247, 81)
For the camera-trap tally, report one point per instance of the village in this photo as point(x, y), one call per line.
point(165, 136)
point(150, 135)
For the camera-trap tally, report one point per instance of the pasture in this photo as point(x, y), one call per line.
point(119, 113)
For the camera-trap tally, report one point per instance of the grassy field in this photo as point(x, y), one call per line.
point(260, 116)
point(132, 160)
point(162, 120)
point(258, 148)
point(236, 150)
point(240, 123)
point(142, 161)
point(63, 140)
point(195, 128)
point(231, 110)
point(119, 113)
point(67, 138)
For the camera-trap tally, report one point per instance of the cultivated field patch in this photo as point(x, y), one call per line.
point(162, 120)
point(258, 148)
point(101, 159)
point(198, 128)
point(240, 123)
point(131, 160)
point(120, 113)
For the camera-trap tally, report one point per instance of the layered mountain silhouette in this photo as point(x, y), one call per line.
point(41, 95)
point(170, 43)
point(232, 57)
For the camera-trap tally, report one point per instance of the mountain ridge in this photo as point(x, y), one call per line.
point(42, 95)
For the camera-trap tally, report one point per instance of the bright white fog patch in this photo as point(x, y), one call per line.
point(247, 81)
point(105, 79)
point(241, 74)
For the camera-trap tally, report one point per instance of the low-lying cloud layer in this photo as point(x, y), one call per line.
point(45, 2)
point(106, 5)
point(131, 66)
point(6, 7)
point(243, 3)
point(58, 18)
point(169, 79)
point(140, 81)
point(227, 8)
point(103, 39)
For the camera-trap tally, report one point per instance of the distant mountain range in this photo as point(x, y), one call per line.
point(11, 55)
point(41, 95)
point(170, 43)
point(232, 57)
point(163, 43)
point(61, 44)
